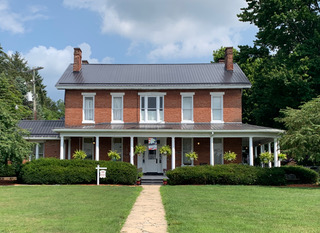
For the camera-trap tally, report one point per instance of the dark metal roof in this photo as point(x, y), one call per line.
point(41, 128)
point(221, 127)
point(152, 75)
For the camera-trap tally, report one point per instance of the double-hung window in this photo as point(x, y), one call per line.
point(151, 107)
point(187, 147)
point(187, 107)
point(117, 107)
point(88, 107)
point(217, 107)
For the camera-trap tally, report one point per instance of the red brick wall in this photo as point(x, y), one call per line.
point(233, 145)
point(52, 149)
point(172, 106)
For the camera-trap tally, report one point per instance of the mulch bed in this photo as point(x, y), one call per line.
point(301, 186)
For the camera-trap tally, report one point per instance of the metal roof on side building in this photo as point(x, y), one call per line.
point(41, 128)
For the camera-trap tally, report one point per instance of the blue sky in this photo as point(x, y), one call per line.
point(119, 31)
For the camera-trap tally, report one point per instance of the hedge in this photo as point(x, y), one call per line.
point(55, 171)
point(7, 170)
point(235, 174)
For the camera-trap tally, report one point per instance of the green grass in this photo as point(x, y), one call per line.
point(65, 208)
point(241, 209)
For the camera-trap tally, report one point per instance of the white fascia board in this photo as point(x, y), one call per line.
point(178, 87)
point(231, 132)
point(41, 138)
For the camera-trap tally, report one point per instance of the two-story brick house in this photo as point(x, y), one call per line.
point(191, 107)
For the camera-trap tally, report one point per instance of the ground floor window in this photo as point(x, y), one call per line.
point(88, 147)
point(38, 153)
point(218, 150)
point(186, 148)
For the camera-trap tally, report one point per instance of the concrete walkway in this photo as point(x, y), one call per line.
point(147, 214)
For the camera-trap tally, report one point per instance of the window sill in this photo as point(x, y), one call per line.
point(217, 121)
point(187, 122)
point(151, 122)
point(117, 122)
point(88, 122)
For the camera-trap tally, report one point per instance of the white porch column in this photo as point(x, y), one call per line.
point(278, 152)
point(275, 152)
point(251, 151)
point(131, 151)
point(61, 147)
point(269, 150)
point(69, 148)
point(97, 149)
point(211, 151)
point(256, 152)
point(262, 148)
point(37, 150)
point(173, 154)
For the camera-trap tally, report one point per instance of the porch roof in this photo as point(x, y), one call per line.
point(41, 128)
point(171, 128)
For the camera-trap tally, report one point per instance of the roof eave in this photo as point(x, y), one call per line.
point(150, 87)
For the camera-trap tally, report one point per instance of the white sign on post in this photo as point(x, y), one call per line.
point(101, 173)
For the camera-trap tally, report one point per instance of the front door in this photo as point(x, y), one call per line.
point(117, 146)
point(152, 161)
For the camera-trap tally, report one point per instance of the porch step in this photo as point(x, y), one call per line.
point(152, 179)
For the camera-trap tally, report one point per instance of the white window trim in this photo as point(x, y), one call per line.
point(147, 95)
point(112, 147)
point(88, 94)
point(116, 94)
point(192, 161)
point(217, 94)
point(186, 94)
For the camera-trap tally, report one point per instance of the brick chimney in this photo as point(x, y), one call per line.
point(228, 59)
point(77, 60)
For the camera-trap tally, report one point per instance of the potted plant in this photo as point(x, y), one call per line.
point(282, 156)
point(165, 181)
point(165, 150)
point(138, 181)
point(114, 155)
point(230, 156)
point(265, 157)
point(192, 155)
point(140, 149)
point(79, 154)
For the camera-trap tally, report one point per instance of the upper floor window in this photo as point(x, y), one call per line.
point(151, 107)
point(217, 107)
point(187, 107)
point(117, 107)
point(88, 107)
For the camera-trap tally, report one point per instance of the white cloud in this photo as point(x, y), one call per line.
point(9, 21)
point(174, 29)
point(14, 22)
point(55, 61)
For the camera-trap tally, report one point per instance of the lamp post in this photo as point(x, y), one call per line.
point(33, 70)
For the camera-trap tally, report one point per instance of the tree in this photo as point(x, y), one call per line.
point(302, 138)
point(13, 147)
point(291, 29)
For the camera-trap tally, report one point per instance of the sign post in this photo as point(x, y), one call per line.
point(101, 173)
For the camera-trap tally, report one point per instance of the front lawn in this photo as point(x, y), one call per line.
point(241, 209)
point(65, 208)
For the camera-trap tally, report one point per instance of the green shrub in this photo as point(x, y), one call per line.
point(7, 170)
point(304, 175)
point(271, 176)
point(79, 154)
point(232, 174)
point(236, 174)
point(55, 171)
